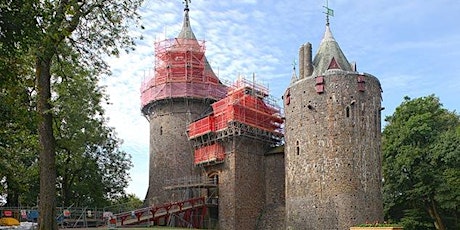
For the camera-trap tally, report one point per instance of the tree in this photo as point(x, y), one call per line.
point(92, 170)
point(18, 134)
point(90, 27)
point(125, 203)
point(421, 165)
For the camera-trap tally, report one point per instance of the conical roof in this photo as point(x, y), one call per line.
point(329, 55)
point(187, 33)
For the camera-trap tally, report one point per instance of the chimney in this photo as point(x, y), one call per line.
point(301, 60)
point(308, 64)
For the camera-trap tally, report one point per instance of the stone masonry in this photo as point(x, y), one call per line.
point(327, 175)
point(170, 151)
point(332, 134)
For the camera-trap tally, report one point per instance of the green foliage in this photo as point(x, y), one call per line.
point(415, 219)
point(92, 170)
point(421, 164)
point(62, 42)
point(18, 134)
point(126, 203)
point(18, 26)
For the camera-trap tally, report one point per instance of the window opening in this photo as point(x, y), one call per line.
point(297, 148)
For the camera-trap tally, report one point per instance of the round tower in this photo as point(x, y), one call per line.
point(181, 91)
point(332, 135)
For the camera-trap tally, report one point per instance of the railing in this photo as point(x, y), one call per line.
point(191, 180)
point(189, 209)
point(69, 217)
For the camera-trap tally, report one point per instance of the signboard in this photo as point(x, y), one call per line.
point(8, 213)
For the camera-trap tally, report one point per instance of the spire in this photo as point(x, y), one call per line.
point(294, 77)
point(328, 34)
point(186, 31)
point(329, 55)
point(329, 12)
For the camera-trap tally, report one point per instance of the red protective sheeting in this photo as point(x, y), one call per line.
point(182, 90)
point(245, 103)
point(214, 152)
point(181, 71)
point(202, 126)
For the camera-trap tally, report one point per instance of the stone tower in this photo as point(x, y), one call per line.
point(232, 144)
point(332, 136)
point(181, 90)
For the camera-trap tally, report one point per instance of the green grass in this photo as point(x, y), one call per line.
point(140, 228)
point(163, 228)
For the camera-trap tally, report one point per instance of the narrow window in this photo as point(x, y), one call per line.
point(161, 130)
point(297, 148)
point(347, 111)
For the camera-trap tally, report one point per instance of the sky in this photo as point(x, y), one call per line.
point(412, 47)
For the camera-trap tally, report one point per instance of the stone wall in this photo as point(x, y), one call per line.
point(272, 216)
point(242, 184)
point(171, 154)
point(274, 178)
point(333, 157)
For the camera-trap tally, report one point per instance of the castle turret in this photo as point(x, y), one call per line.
point(181, 91)
point(332, 136)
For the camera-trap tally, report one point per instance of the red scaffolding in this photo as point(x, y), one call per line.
point(246, 104)
point(181, 71)
point(209, 153)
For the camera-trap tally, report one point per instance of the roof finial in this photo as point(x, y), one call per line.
point(186, 4)
point(329, 12)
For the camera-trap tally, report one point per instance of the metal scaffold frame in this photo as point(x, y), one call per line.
point(181, 71)
point(245, 111)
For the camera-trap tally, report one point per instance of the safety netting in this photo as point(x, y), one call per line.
point(181, 71)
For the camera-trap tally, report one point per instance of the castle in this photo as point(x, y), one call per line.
point(322, 170)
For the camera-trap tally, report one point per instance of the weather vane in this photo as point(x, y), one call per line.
point(294, 64)
point(329, 12)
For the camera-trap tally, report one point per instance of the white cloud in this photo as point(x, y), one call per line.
point(411, 46)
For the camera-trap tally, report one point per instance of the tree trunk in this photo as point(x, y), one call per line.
point(433, 212)
point(12, 199)
point(47, 203)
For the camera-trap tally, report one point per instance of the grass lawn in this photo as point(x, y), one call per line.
point(163, 228)
point(140, 228)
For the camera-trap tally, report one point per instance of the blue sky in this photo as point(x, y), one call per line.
point(413, 47)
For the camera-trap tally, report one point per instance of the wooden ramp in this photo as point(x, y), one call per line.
point(190, 213)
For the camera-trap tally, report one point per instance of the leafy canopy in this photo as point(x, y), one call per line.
point(421, 165)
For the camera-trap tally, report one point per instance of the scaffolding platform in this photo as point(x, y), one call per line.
point(181, 71)
point(190, 182)
point(245, 111)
